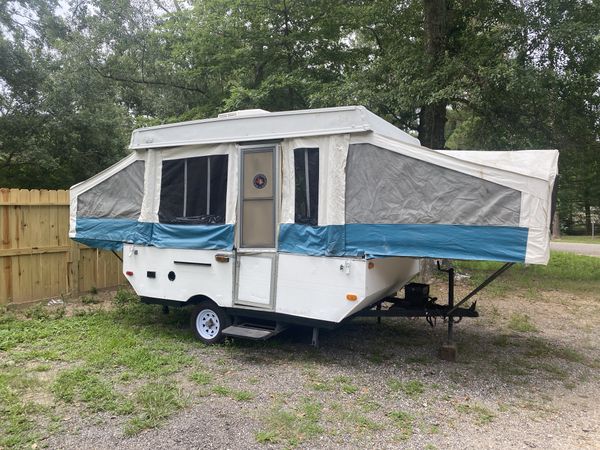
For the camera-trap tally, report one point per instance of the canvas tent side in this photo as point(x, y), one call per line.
point(379, 192)
point(391, 198)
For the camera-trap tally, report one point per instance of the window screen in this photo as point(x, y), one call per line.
point(119, 196)
point(194, 190)
point(306, 172)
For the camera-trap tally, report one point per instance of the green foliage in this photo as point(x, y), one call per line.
point(89, 300)
point(41, 312)
point(125, 297)
point(504, 75)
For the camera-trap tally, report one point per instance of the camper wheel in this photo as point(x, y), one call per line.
point(208, 322)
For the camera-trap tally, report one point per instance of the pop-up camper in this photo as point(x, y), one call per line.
point(304, 216)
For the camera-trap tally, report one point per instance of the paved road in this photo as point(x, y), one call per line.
point(580, 249)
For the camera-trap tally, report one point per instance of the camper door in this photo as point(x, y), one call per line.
point(257, 253)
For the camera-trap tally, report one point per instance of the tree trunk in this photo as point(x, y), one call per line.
point(432, 123)
point(426, 270)
point(555, 226)
point(588, 218)
point(432, 117)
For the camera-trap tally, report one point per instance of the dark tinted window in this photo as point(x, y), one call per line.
point(194, 190)
point(306, 170)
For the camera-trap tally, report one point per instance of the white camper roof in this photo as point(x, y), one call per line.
point(257, 125)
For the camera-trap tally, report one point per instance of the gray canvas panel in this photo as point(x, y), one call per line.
point(119, 196)
point(386, 187)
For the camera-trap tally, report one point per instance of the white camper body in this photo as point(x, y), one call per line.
point(305, 215)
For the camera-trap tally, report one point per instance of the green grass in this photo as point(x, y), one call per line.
point(292, 425)
point(88, 361)
point(411, 388)
point(521, 323)
point(579, 239)
point(201, 377)
point(80, 385)
point(345, 384)
point(89, 300)
point(17, 427)
point(349, 388)
point(565, 272)
point(240, 396)
point(357, 421)
point(367, 404)
point(155, 402)
point(482, 415)
point(404, 421)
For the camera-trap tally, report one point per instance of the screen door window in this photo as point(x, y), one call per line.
point(258, 198)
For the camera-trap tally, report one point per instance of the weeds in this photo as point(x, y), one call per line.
point(97, 394)
point(41, 312)
point(292, 426)
point(125, 297)
point(89, 300)
point(156, 402)
point(482, 415)
point(404, 421)
point(240, 396)
point(201, 377)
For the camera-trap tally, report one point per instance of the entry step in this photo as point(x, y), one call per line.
point(249, 331)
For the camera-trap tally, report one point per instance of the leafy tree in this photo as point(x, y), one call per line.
point(58, 125)
point(486, 74)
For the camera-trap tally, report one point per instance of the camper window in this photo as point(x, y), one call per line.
point(306, 172)
point(194, 190)
point(117, 197)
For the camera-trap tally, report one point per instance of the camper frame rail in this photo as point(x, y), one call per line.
point(451, 313)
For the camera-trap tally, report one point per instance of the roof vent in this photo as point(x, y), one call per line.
point(243, 113)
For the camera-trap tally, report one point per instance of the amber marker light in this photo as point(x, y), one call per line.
point(351, 297)
point(371, 264)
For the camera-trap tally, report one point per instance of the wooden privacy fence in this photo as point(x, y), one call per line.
point(37, 259)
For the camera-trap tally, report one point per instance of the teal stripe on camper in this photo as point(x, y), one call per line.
point(110, 234)
point(206, 237)
point(470, 242)
point(312, 240)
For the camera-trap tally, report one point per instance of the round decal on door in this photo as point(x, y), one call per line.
point(259, 181)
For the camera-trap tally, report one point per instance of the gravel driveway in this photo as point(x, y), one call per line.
point(577, 248)
point(527, 376)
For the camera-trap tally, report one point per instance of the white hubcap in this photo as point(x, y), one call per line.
point(208, 324)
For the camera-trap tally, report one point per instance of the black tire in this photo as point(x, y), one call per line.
point(208, 322)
